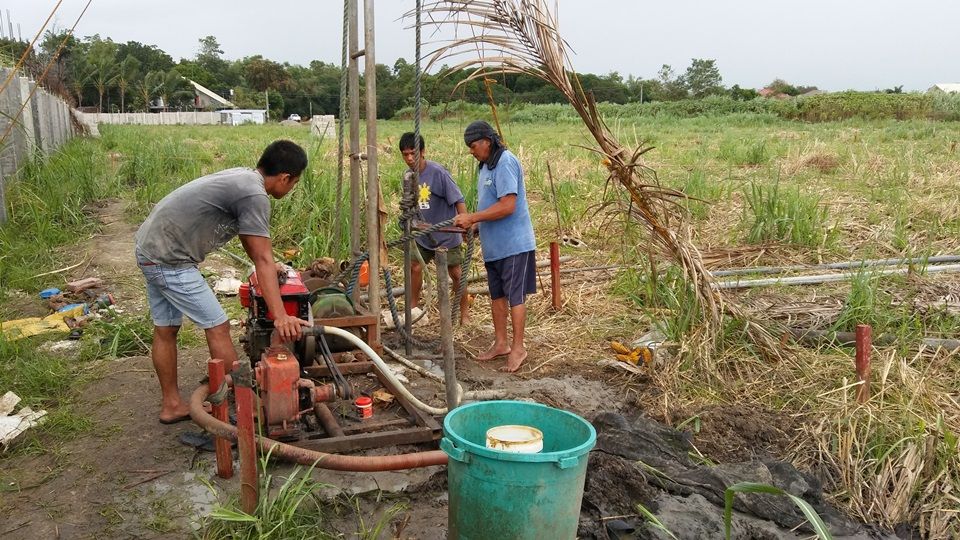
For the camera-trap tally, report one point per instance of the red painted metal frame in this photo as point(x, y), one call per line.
point(224, 451)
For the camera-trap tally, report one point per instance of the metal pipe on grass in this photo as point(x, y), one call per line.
point(826, 278)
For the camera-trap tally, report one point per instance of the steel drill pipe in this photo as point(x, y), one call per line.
point(334, 462)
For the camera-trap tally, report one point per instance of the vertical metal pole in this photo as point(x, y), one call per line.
point(354, 92)
point(446, 328)
point(555, 274)
point(245, 445)
point(215, 371)
point(864, 344)
point(373, 181)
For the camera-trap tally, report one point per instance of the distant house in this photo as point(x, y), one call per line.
point(945, 88)
point(772, 94)
point(208, 100)
point(236, 117)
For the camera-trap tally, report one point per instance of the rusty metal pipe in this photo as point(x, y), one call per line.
point(303, 456)
point(863, 335)
point(555, 275)
point(327, 420)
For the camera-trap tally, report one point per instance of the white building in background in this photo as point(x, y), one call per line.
point(236, 117)
point(945, 88)
point(207, 100)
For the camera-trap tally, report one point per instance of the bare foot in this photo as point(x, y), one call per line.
point(494, 352)
point(175, 414)
point(516, 357)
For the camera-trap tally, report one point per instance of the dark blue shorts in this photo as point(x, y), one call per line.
point(513, 277)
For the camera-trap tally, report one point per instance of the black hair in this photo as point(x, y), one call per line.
point(283, 156)
point(407, 141)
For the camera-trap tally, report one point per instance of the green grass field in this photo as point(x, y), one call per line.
point(769, 190)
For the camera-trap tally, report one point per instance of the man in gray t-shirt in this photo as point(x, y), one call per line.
point(438, 199)
point(182, 229)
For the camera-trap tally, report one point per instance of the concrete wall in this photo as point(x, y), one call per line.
point(323, 126)
point(41, 124)
point(189, 118)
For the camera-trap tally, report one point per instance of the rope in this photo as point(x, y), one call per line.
point(220, 395)
point(340, 134)
point(351, 275)
point(243, 376)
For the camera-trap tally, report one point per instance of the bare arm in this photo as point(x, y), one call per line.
point(502, 208)
point(259, 250)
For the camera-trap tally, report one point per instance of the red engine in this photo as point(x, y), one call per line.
point(259, 324)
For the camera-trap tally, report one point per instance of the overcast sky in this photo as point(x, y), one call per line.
point(832, 44)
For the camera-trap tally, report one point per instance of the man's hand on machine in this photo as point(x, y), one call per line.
point(288, 328)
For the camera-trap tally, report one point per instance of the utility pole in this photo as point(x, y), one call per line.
point(266, 95)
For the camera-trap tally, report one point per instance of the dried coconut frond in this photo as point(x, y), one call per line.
point(521, 37)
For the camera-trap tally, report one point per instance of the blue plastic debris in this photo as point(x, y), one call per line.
point(48, 293)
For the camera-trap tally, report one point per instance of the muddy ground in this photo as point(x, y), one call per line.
point(130, 477)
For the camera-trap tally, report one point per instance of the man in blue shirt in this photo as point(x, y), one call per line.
point(506, 236)
point(438, 199)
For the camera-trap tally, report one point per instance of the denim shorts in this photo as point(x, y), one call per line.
point(175, 291)
point(513, 277)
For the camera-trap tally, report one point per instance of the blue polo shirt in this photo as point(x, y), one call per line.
point(513, 234)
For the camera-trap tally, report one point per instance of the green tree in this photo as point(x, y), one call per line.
point(128, 72)
point(81, 72)
point(174, 90)
point(702, 78)
point(670, 87)
point(262, 74)
point(210, 59)
point(148, 86)
point(150, 57)
point(102, 55)
point(197, 73)
point(781, 86)
point(742, 94)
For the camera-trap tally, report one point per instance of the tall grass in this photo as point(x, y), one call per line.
point(896, 458)
point(292, 511)
point(789, 216)
point(48, 207)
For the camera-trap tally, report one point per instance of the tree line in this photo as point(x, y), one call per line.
point(99, 73)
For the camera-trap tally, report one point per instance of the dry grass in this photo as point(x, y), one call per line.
point(894, 458)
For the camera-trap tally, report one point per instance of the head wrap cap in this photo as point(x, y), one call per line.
point(480, 129)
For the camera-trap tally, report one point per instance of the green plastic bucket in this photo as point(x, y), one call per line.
point(503, 495)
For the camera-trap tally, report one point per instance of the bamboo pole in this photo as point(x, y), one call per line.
point(354, 92)
point(373, 183)
point(446, 329)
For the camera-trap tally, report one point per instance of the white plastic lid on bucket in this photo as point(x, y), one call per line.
point(515, 439)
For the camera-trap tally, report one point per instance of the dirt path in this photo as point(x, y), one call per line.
point(126, 476)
